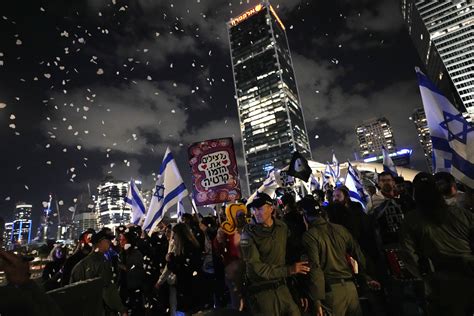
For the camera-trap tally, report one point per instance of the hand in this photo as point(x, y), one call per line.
point(319, 311)
point(17, 271)
point(374, 285)
point(169, 257)
point(241, 305)
point(299, 267)
point(304, 303)
point(124, 313)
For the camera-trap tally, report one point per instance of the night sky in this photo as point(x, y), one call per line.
point(91, 88)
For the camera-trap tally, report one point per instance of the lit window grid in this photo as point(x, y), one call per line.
point(252, 105)
point(451, 26)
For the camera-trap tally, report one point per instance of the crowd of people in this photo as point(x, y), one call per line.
point(409, 251)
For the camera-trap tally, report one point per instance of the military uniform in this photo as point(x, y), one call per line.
point(263, 251)
point(96, 266)
point(330, 277)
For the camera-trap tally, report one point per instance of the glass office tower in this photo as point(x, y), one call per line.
point(270, 112)
point(443, 33)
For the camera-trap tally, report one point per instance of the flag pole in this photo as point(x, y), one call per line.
point(194, 209)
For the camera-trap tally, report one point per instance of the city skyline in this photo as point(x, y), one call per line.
point(111, 85)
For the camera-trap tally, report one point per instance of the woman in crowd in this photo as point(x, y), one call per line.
point(186, 264)
point(438, 240)
point(132, 273)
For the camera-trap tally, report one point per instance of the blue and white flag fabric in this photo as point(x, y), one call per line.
point(335, 167)
point(135, 200)
point(180, 210)
point(451, 135)
point(355, 186)
point(388, 165)
point(169, 190)
point(313, 184)
point(328, 174)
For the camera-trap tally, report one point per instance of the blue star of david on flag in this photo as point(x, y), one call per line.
point(159, 192)
point(457, 127)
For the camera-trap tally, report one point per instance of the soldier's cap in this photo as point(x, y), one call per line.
point(259, 200)
point(101, 235)
point(310, 206)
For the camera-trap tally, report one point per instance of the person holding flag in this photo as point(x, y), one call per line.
point(135, 200)
point(169, 189)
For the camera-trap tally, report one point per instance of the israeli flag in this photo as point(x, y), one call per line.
point(388, 165)
point(328, 174)
point(180, 211)
point(335, 167)
point(355, 186)
point(451, 135)
point(135, 200)
point(314, 184)
point(168, 191)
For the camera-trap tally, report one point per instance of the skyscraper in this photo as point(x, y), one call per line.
point(419, 118)
point(21, 229)
point(110, 205)
point(443, 33)
point(373, 134)
point(270, 112)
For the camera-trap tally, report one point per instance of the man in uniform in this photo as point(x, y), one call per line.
point(95, 265)
point(263, 246)
point(331, 250)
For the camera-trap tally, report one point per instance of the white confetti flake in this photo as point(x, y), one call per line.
point(47, 75)
point(61, 202)
point(12, 117)
point(100, 71)
point(3, 105)
point(18, 42)
point(149, 78)
point(26, 187)
point(12, 126)
point(316, 136)
point(48, 162)
point(79, 147)
point(7, 198)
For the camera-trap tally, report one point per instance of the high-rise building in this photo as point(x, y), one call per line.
point(83, 221)
point(7, 235)
point(443, 34)
point(21, 229)
point(373, 134)
point(110, 205)
point(270, 112)
point(421, 124)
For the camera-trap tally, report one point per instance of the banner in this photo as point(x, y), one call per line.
point(215, 173)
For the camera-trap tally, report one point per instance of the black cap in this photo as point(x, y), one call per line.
point(259, 200)
point(101, 235)
point(310, 206)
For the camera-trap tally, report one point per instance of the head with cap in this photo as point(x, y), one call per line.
point(429, 201)
point(101, 240)
point(261, 208)
point(311, 208)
